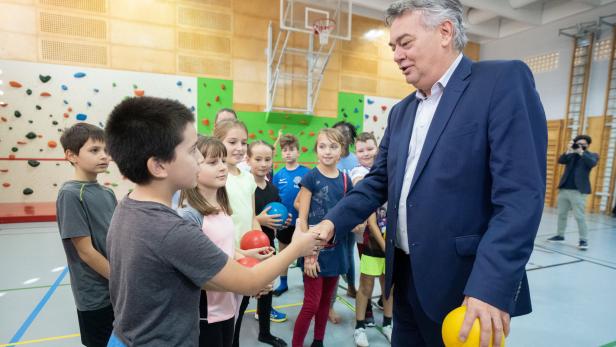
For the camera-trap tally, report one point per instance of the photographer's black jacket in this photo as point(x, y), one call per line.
point(579, 166)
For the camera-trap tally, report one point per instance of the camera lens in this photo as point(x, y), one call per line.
point(575, 146)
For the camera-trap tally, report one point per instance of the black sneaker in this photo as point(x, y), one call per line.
point(379, 304)
point(557, 238)
point(583, 245)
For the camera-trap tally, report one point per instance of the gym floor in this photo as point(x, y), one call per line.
point(572, 291)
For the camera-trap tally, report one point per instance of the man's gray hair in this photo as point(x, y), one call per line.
point(434, 12)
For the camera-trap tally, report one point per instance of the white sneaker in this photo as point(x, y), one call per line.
point(387, 332)
point(361, 340)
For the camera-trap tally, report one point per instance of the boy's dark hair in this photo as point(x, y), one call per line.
point(288, 140)
point(349, 130)
point(76, 136)
point(365, 137)
point(583, 137)
point(145, 127)
point(257, 143)
point(225, 109)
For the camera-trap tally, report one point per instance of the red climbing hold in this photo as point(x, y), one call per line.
point(15, 84)
point(66, 115)
point(311, 133)
point(39, 136)
point(11, 156)
point(45, 94)
point(4, 170)
point(21, 142)
point(139, 92)
point(304, 149)
point(375, 118)
point(206, 122)
point(252, 136)
point(271, 132)
point(3, 119)
point(208, 104)
point(52, 144)
point(223, 87)
point(384, 107)
point(70, 109)
point(217, 98)
point(107, 183)
point(6, 184)
point(260, 131)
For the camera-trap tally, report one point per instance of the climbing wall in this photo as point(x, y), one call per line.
point(40, 100)
point(212, 95)
point(376, 112)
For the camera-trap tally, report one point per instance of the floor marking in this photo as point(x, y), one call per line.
point(276, 307)
point(24, 327)
point(35, 287)
point(46, 339)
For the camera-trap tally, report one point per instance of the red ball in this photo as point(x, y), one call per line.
point(254, 239)
point(248, 262)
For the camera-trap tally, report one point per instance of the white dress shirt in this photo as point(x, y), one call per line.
point(423, 118)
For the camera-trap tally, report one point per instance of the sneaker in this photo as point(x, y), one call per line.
point(387, 332)
point(279, 291)
point(360, 337)
point(379, 304)
point(277, 316)
point(583, 245)
point(556, 238)
point(370, 322)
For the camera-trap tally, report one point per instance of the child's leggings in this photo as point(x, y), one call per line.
point(317, 295)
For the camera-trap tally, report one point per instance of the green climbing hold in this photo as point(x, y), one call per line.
point(17, 114)
point(28, 191)
point(38, 107)
point(54, 122)
point(29, 91)
point(34, 163)
point(44, 79)
point(14, 149)
point(31, 135)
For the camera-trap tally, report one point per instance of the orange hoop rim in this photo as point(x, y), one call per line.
point(323, 25)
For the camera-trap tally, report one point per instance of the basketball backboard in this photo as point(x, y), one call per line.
point(301, 15)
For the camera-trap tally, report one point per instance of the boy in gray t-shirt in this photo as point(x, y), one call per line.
point(84, 210)
point(159, 261)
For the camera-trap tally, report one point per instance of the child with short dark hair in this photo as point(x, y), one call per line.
point(159, 261)
point(84, 210)
point(287, 181)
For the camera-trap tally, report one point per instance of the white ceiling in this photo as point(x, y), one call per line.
point(493, 19)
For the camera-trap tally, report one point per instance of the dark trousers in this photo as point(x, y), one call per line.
point(412, 327)
point(95, 326)
point(219, 334)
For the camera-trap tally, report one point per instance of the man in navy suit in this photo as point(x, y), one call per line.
point(574, 187)
point(462, 165)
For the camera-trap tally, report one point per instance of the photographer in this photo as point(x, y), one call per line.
point(574, 187)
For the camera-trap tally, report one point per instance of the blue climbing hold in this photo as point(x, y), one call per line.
point(189, 90)
point(179, 83)
point(370, 101)
point(89, 104)
point(192, 108)
point(79, 75)
point(65, 102)
point(366, 116)
point(81, 117)
point(64, 87)
point(356, 110)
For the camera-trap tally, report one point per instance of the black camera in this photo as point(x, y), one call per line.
point(576, 146)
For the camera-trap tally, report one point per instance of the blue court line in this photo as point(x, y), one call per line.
point(24, 327)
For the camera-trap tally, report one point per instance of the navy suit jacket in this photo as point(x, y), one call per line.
point(477, 195)
point(580, 169)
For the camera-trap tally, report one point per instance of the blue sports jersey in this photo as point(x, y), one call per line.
point(287, 182)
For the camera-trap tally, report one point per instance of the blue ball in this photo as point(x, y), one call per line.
point(278, 208)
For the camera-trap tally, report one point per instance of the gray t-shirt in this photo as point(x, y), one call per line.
point(85, 209)
point(159, 263)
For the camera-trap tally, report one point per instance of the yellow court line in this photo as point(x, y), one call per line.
point(276, 307)
point(53, 338)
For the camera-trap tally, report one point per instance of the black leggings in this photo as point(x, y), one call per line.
point(264, 308)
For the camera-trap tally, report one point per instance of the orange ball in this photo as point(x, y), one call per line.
point(254, 239)
point(451, 330)
point(248, 262)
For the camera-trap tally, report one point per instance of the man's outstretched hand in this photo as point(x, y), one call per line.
point(325, 230)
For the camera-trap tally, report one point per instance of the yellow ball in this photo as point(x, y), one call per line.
point(451, 330)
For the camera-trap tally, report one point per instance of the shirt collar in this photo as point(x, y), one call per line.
point(442, 82)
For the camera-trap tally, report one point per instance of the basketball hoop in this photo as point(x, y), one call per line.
point(322, 28)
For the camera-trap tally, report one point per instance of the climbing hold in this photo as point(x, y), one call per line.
point(384, 107)
point(345, 115)
point(79, 75)
point(52, 144)
point(96, 90)
point(101, 124)
point(64, 87)
point(11, 156)
point(65, 102)
point(360, 100)
point(28, 191)
point(54, 122)
point(260, 131)
point(21, 142)
point(366, 116)
point(206, 122)
point(223, 86)
point(15, 84)
point(114, 184)
point(30, 121)
point(65, 115)
point(107, 183)
point(38, 107)
point(34, 163)
point(304, 149)
point(370, 101)
point(40, 149)
point(301, 132)
point(208, 104)
point(303, 122)
point(17, 114)
point(135, 86)
point(3, 104)
point(139, 92)
point(14, 149)
point(3, 119)
point(6, 184)
point(89, 104)
point(39, 136)
point(29, 91)
point(192, 108)
point(178, 83)
point(81, 117)
point(204, 85)
point(342, 109)
point(55, 184)
point(375, 118)
point(4, 170)
point(217, 98)
point(326, 125)
point(31, 135)
point(252, 136)
point(44, 78)
point(356, 110)
point(45, 94)
point(189, 90)
point(311, 133)
point(114, 84)
point(70, 109)
point(271, 132)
